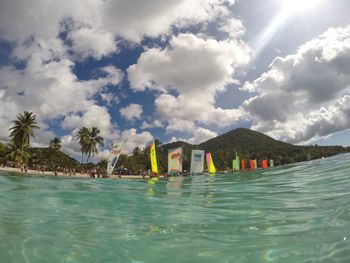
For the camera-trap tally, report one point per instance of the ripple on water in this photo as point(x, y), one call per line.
point(296, 213)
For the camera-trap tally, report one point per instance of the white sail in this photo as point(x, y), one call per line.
point(197, 161)
point(114, 156)
point(175, 161)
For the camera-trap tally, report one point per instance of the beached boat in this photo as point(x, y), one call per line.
point(113, 156)
point(197, 162)
point(154, 165)
point(210, 164)
point(175, 161)
point(236, 164)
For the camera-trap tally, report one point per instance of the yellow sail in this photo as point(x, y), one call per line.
point(210, 163)
point(153, 158)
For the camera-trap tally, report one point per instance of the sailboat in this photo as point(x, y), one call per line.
point(252, 165)
point(113, 156)
point(210, 164)
point(236, 164)
point(175, 161)
point(154, 165)
point(264, 164)
point(197, 161)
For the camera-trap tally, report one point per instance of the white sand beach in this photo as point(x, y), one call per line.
point(76, 175)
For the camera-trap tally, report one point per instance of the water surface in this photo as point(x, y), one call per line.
point(297, 213)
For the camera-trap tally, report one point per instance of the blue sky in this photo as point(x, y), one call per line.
point(177, 70)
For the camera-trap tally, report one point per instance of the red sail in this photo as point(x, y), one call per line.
point(252, 165)
point(242, 165)
point(264, 164)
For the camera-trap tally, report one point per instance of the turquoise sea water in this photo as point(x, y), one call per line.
point(297, 213)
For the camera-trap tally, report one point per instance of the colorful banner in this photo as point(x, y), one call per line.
point(113, 156)
point(197, 161)
point(210, 164)
point(175, 161)
point(153, 158)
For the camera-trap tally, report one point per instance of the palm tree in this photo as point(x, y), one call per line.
point(16, 153)
point(54, 147)
point(136, 151)
point(92, 140)
point(81, 137)
point(2, 151)
point(22, 130)
point(55, 144)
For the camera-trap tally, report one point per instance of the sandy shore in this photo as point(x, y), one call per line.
point(77, 175)
point(39, 173)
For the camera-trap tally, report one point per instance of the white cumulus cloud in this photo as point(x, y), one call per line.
point(93, 25)
point(304, 96)
point(197, 69)
point(51, 36)
point(132, 112)
point(136, 139)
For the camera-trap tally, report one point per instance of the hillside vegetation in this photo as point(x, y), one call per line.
point(247, 143)
point(51, 160)
point(45, 158)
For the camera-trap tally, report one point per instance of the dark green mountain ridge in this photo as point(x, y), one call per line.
point(249, 144)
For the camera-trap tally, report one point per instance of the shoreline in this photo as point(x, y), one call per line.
point(39, 173)
point(77, 175)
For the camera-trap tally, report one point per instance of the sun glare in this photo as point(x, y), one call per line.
point(299, 6)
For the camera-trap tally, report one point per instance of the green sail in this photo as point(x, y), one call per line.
point(238, 163)
point(234, 165)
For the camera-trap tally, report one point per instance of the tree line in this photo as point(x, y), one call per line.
point(18, 151)
point(247, 143)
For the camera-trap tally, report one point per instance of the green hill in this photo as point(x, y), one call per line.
point(243, 139)
point(45, 157)
point(249, 144)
